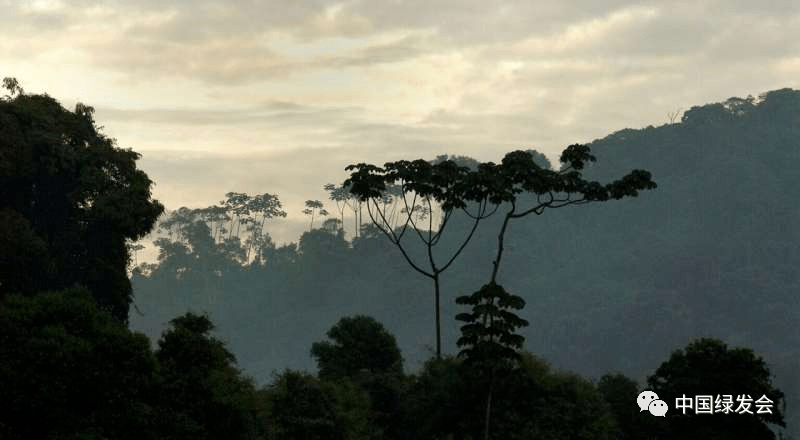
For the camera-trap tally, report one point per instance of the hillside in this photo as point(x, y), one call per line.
point(616, 286)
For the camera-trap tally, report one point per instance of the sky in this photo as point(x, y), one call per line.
point(279, 96)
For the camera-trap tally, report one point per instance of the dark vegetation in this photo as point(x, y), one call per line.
point(707, 257)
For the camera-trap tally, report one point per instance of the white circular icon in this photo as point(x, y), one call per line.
point(658, 408)
point(645, 399)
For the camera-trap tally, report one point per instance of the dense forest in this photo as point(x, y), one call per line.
point(684, 288)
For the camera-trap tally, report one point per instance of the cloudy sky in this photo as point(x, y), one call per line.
point(279, 96)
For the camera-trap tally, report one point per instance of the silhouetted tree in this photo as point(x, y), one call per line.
point(743, 401)
point(344, 199)
point(682, 262)
point(442, 183)
point(204, 395)
point(314, 207)
point(489, 331)
point(340, 196)
point(320, 246)
point(541, 403)
point(365, 353)
point(619, 391)
point(453, 187)
point(489, 337)
point(441, 403)
point(269, 207)
point(237, 204)
point(72, 197)
point(70, 370)
point(519, 173)
point(301, 407)
point(201, 233)
point(13, 87)
point(360, 344)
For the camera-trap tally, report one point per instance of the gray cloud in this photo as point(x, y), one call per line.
point(270, 114)
point(244, 41)
point(398, 50)
point(280, 95)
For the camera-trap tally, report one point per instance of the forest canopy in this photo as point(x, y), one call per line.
point(604, 289)
point(71, 201)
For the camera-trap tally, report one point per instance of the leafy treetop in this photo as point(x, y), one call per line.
point(70, 200)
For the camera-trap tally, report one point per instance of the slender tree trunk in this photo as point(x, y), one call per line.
point(500, 238)
point(252, 237)
point(260, 247)
point(437, 316)
point(238, 227)
point(355, 217)
point(360, 215)
point(488, 406)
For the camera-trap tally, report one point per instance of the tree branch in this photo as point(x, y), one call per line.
point(400, 246)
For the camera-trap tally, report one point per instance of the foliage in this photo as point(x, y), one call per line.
point(454, 188)
point(345, 200)
point(532, 402)
point(314, 207)
point(69, 370)
point(361, 344)
point(708, 367)
point(714, 252)
point(366, 354)
point(204, 230)
point(13, 87)
point(439, 402)
point(488, 334)
point(204, 394)
point(619, 391)
point(302, 407)
point(72, 197)
point(320, 246)
point(566, 404)
point(519, 174)
point(439, 187)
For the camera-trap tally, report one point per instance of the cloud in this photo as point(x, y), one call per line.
point(247, 41)
point(587, 34)
point(269, 114)
point(789, 65)
point(334, 20)
point(145, 51)
point(217, 61)
point(400, 49)
point(259, 93)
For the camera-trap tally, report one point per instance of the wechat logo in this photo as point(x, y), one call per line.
point(649, 401)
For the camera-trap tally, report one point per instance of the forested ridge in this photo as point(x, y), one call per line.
point(712, 251)
point(333, 336)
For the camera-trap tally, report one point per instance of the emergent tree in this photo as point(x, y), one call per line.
point(443, 184)
point(458, 188)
